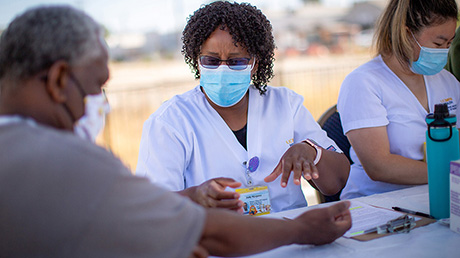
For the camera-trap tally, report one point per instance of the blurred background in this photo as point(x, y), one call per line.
point(318, 43)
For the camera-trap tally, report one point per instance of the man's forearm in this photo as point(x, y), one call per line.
point(229, 234)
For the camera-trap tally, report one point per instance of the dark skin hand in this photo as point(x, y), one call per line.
point(199, 252)
point(298, 159)
point(230, 234)
point(327, 224)
point(212, 194)
point(328, 176)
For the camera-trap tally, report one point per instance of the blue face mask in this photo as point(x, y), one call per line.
point(223, 86)
point(430, 60)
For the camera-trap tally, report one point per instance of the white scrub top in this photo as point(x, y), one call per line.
point(373, 96)
point(186, 142)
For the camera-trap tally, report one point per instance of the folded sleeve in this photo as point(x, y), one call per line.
point(162, 155)
point(307, 128)
point(360, 104)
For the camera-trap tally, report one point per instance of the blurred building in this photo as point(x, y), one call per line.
point(319, 30)
point(148, 46)
point(313, 29)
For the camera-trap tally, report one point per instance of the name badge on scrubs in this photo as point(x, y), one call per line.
point(256, 200)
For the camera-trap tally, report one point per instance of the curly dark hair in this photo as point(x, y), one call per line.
point(248, 27)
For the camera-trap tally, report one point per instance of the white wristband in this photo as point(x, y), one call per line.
point(318, 149)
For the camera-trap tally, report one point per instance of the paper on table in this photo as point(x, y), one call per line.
point(365, 217)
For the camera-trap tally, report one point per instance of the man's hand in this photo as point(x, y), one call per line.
point(199, 252)
point(324, 225)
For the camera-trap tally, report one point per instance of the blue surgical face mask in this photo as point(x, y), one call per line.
point(223, 86)
point(430, 60)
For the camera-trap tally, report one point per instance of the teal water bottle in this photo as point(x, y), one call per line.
point(442, 147)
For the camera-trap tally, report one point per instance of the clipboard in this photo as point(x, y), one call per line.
point(374, 235)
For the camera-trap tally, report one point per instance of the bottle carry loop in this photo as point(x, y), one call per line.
point(442, 147)
point(431, 125)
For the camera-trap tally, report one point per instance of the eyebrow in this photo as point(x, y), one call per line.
point(211, 53)
point(444, 38)
point(230, 54)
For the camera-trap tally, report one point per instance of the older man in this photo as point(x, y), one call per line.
point(61, 196)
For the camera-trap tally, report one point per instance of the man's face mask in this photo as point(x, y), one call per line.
point(430, 60)
point(92, 122)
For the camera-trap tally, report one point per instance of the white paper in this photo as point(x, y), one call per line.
point(365, 217)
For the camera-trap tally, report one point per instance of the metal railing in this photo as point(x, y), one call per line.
point(318, 82)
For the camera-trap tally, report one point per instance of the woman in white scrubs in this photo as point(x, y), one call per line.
point(383, 103)
point(253, 135)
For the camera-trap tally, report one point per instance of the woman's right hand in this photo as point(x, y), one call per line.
point(212, 194)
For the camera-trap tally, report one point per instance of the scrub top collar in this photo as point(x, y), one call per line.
point(13, 119)
point(227, 135)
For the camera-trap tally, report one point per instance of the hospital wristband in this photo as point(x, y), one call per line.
point(318, 149)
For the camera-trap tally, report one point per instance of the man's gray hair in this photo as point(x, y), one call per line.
point(43, 35)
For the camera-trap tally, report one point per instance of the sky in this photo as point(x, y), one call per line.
point(141, 15)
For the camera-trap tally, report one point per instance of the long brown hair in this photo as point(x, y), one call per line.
point(401, 17)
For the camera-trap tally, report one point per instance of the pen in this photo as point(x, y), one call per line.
point(413, 212)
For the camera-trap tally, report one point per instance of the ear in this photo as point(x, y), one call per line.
point(57, 82)
point(410, 35)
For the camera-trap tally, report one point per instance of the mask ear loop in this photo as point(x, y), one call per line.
point(103, 93)
point(82, 93)
point(107, 131)
point(80, 88)
point(416, 41)
point(253, 64)
point(420, 46)
point(69, 112)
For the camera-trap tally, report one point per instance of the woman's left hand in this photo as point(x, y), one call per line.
point(212, 194)
point(298, 159)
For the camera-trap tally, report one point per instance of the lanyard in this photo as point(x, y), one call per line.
point(251, 166)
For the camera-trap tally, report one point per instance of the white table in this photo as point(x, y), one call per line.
point(434, 240)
